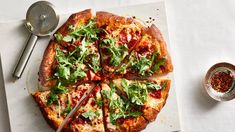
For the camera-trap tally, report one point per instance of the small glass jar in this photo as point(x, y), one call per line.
point(221, 75)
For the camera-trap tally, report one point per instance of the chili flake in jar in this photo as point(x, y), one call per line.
point(222, 81)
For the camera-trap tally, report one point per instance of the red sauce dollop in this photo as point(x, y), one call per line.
point(155, 94)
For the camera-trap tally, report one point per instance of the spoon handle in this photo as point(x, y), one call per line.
point(19, 69)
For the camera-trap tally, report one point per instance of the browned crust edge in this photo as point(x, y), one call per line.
point(157, 35)
point(151, 113)
point(75, 19)
point(110, 19)
point(43, 111)
point(133, 124)
point(164, 94)
point(46, 67)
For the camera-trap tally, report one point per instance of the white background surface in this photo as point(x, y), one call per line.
point(202, 32)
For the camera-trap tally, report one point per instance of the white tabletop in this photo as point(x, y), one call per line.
point(201, 34)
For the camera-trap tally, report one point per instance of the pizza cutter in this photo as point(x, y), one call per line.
point(41, 20)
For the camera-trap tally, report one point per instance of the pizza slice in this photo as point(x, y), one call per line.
point(119, 114)
point(150, 57)
point(73, 55)
point(89, 117)
point(57, 102)
point(117, 39)
point(150, 95)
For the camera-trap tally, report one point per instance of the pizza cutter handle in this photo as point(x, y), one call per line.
point(25, 56)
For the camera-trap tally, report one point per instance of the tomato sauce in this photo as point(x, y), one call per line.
point(155, 94)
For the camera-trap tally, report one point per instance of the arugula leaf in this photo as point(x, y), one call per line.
point(53, 96)
point(146, 66)
point(69, 68)
point(151, 85)
point(99, 102)
point(88, 31)
point(58, 37)
point(157, 65)
point(95, 63)
point(136, 92)
point(68, 38)
point(91, 114)
point(68, 108)
point(118, 53)
point(63, 71)
point(142, 65)
point(164, 85)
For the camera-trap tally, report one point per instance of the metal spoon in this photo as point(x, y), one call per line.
point(41, 20)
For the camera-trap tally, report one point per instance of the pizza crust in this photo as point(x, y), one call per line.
point(49, 115)
point(111, 20)
point(75, 19)
point(156, 34)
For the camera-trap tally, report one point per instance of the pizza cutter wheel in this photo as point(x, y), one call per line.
point(41, 20)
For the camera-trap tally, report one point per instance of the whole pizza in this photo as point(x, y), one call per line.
point(121, 59)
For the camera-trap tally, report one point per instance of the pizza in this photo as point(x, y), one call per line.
point(119, 58)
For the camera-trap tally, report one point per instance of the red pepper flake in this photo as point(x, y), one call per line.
point(222, 81)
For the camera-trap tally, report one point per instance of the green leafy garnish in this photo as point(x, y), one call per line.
point(53, 96)
point(118, 53)
point(68, 38)
point(58, 37)
point(69, 68)
point(68, 108)
point(88, 31)
point(142, 65)
point(136, 92)
point(164, 85)
point(99, 102)
point(91, 114)
point(95, 63)
point(119, 108)
point(157, 65)
point(151, 85)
